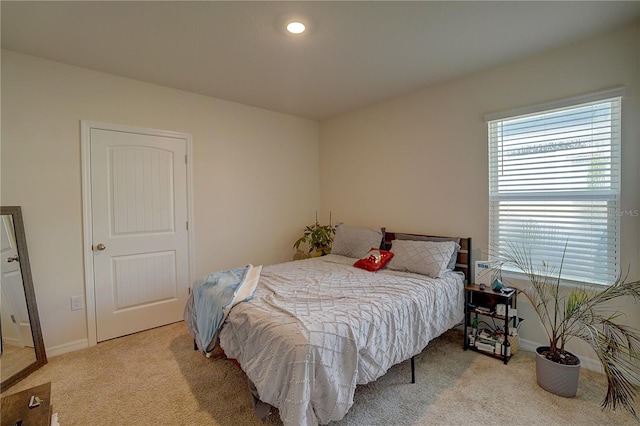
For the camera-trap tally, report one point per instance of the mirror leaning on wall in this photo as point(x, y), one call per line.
point(21, 345)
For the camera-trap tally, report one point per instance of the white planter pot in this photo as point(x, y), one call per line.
point(559, 379)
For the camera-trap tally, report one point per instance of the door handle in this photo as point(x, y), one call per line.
point(99, 247)
point(12, 259)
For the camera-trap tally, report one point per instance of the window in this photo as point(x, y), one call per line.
point(554, 180)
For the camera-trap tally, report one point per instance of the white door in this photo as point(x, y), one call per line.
point(140, 242)
point(15, 316)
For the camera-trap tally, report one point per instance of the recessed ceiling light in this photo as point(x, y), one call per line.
point(295, 27)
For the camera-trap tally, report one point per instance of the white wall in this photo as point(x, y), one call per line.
point(256, 174)
point(419, 162)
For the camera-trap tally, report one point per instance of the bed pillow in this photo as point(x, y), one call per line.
point(375, 260)
point(454, 257)
point(423, 257)
point(355, 242)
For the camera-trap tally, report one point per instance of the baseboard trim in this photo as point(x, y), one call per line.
point(528, 345)
point(11, 341)
point(67, 347)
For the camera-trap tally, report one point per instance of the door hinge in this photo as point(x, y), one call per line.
point(189, 291)
point(185, 159)
point(13, 319)
point(187, 223)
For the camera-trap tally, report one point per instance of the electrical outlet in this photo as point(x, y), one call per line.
point(76, 303)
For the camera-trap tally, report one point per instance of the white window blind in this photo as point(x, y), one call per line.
point(554, 179)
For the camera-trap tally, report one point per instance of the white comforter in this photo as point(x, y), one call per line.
point(318, 327)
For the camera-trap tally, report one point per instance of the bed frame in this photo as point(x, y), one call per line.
point(463, 264)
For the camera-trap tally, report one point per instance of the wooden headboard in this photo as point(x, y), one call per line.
point(463, 263)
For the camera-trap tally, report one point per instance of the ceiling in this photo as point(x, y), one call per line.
point(353, 53)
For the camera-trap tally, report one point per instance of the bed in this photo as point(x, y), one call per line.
point(316, 328)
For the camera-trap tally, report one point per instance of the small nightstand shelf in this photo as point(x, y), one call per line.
point(484, 302)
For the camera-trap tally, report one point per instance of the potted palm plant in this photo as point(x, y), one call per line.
point(584, 313)
point(318, 239)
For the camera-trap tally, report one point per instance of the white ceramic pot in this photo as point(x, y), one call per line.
point(558, 379)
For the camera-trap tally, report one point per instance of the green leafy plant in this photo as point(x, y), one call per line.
point(318, 238)
point(586, 314)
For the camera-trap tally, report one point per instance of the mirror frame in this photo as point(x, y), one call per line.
point(30, 296)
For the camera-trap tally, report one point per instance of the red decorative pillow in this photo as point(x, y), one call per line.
point(374, 260)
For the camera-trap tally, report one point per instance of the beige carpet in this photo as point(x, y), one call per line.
point(155, 378)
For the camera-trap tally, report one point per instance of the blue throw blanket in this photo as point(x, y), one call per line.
point(214, 296)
